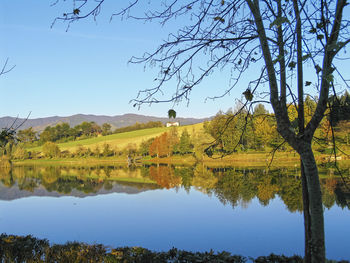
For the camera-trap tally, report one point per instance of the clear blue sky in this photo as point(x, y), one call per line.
point(85, 70)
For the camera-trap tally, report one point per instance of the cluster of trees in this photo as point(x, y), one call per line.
point(52, 150)
point(339, 108)
point(167, 144)
point(234, 131)
point(63, 132)
point(241, 130)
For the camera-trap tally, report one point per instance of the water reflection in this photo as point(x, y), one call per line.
point(232, 186)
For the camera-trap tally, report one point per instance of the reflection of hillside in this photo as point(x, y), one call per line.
point(16, 193)
point(231, 186)
point(80, 182)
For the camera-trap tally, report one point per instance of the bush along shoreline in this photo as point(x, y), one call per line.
point(31, 249)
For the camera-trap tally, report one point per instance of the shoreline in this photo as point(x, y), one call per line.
point(241, 159)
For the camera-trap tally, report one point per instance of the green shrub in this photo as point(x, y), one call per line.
point(51, 150)
point(20, 153)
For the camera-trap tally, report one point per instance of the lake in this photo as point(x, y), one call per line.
point(244, 211)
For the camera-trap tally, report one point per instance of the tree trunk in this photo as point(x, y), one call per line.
point(306, 212)
point(315, 226)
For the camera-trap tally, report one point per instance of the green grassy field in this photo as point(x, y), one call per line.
point(121, 140)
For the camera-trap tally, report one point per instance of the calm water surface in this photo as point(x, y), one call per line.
point(243, 211)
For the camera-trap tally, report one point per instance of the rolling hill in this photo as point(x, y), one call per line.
point(117, 121)
point(121, 140)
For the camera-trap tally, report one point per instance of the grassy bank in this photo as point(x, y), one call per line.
point(238, 159)
point(256, 159)
point(89, 161)
point(260, 159)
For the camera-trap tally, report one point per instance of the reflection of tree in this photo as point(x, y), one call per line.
point(231, 186)
point(342, 194)
point(228, 189)
point(267, 190)
point(241, 186)
point(144, 171)
point(108, 185)
point(164, 176)
point(67, 184)
point(328, 187)
point(50, 175)
point(6, 176)
point(291, 193)
point(203, 179)
point(28, 184)
point(107, 170)
point(248, 188)
point(186, 173)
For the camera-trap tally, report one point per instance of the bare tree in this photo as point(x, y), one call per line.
point(7, 134)
point(296, 44)
point(5, 69)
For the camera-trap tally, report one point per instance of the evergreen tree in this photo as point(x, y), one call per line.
point(185, 145)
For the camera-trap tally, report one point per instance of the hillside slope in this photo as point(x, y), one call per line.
point(117, 121)
point(121, 140)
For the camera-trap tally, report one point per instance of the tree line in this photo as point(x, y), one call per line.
point(236, 130)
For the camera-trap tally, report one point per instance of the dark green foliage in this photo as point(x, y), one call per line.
point(339, 108)
point(30, 249)
point(6, 136)
point(22, 249)
point(144, 147)
point(75, 252)
point(185, 145)
point(63, 132)
point(279, 259)
point(248, 95)
point(88, 129)
point(140, 126)
point(171, 114)
point(186, 174)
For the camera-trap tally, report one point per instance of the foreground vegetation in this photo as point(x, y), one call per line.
point(30, 249)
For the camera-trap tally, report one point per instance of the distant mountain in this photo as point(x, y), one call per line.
point(14, 192)
point(117, 121)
